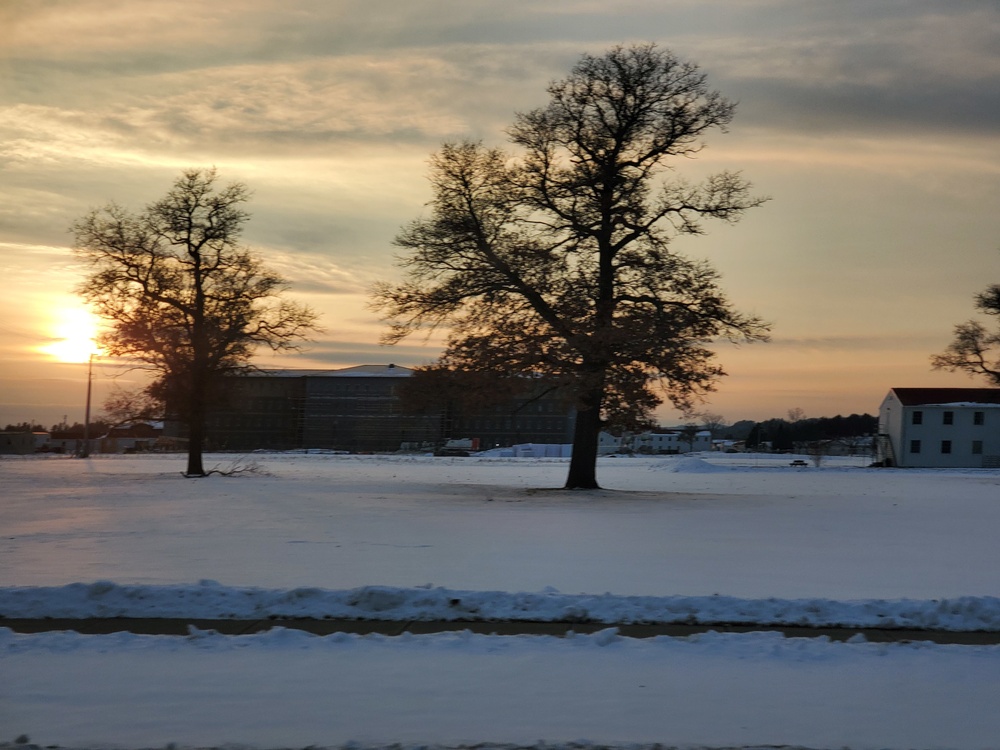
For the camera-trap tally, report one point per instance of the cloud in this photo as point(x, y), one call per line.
point(128, 80)
point(314, 274)
point(854, 343)
point(857, 67)
point(334, 353)
point(312, 106)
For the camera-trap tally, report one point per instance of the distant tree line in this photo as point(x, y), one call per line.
point(783, 434)
point(97, 427)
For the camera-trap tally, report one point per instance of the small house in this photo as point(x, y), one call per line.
point(17, 443)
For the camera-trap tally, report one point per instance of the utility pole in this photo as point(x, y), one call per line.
point(85, 453)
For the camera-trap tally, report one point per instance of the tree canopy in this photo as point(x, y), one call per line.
point(182, 296)
point(556, 260)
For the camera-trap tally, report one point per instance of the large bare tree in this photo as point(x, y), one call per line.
point(183, 297)
point(557, 260)
point(975, 349)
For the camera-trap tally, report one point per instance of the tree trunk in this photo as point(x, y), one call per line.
point(196, 428)
point(198, 385)
point(586, 437)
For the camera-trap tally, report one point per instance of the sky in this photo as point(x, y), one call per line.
point(873, 126)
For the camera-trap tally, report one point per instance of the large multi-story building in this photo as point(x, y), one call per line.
point(940, 427)
point(360, 409)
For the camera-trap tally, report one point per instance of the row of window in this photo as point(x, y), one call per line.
point(249, 422)
point(977, 447)
point(948, 417)
point(541, 407)
point(522, 423)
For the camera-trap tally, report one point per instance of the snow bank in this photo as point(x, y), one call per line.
point(757, 645)
point(210, 600)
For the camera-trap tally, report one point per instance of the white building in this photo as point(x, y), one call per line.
point(940, 427)
point(608, 443)
point(674, 441)
point(649, 442)
point(671, 441)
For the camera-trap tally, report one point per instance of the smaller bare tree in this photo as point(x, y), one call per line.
point(714, 423)
point(975, 349)
point(184, 299)
point(818, 450)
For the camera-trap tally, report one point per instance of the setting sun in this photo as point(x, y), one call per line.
point(74, 331)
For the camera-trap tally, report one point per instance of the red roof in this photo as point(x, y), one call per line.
point(922, 396)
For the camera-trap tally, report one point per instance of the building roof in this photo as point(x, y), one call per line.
point(940, 396)
point(136, 429)
point(368, 371)
point(358, 371)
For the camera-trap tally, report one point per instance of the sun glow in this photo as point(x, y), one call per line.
point(74, 331)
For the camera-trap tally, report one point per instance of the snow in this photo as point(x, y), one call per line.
point(290, 689)
point(707, 538)
point(691, 465)
point(983, 404)
point(210, 600)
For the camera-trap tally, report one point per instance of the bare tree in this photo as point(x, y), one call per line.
point(818, 450)
point(714, 423)
point(974, 348)
point(183, 297)
point(558, 261)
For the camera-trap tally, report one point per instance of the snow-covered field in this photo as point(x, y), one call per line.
point(712, 538)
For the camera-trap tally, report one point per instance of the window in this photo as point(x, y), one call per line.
point(946, 446)
point(948, 417)
point(977, 447)
point(914, 446)
point(978, 417)
point(918, 417)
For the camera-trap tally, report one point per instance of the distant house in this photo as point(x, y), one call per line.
point(940, 427)
point(131, 438)
point(659, 441)
point(608, 443)
point(672, 441)
point(69, 441)
point(17, 443)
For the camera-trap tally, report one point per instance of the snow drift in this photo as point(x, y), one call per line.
point(211, 600)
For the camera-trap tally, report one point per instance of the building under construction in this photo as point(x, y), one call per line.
point(361, 409)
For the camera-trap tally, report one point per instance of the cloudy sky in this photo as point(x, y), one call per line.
point(874, 125)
